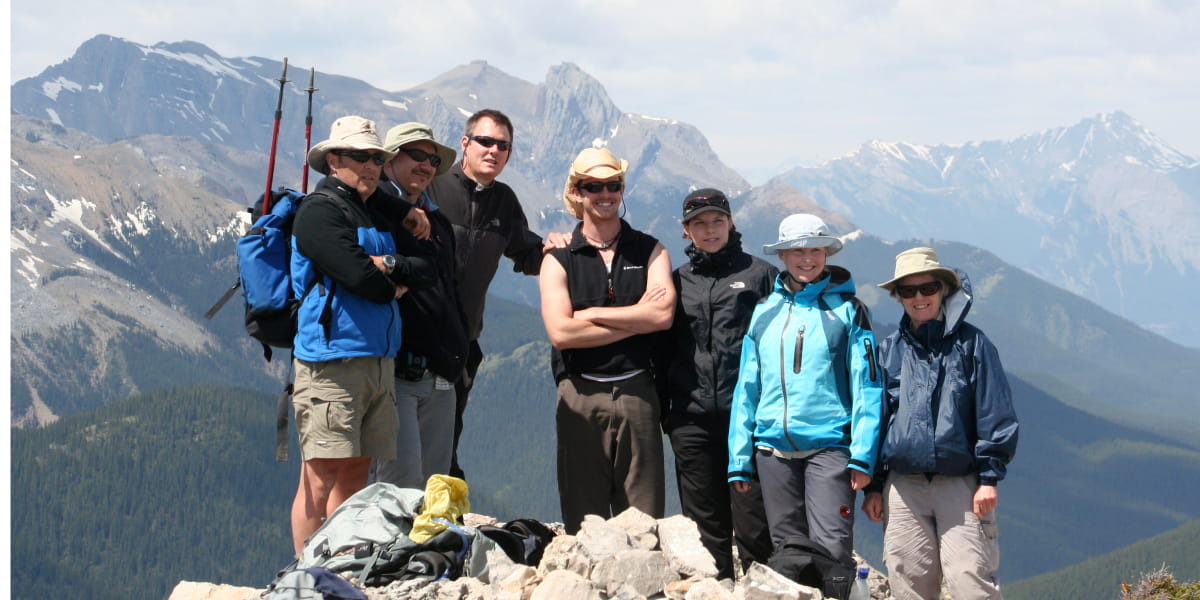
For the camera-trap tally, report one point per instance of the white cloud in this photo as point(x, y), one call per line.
point(801, 79)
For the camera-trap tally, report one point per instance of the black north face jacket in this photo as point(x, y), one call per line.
point(697, 364)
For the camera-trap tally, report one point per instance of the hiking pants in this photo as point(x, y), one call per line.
point(701, 446)
point(930, 532)
point(810, 496)
point(425, 440)
point(610, 454)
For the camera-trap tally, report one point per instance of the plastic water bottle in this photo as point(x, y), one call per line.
point(861, 590)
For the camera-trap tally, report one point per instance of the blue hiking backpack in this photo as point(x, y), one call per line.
point(264, 272)
point(264, 275)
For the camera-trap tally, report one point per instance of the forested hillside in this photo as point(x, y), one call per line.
point(1100, 578)
point(125, 501)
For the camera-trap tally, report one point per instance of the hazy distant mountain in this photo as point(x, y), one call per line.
point(1103, 208)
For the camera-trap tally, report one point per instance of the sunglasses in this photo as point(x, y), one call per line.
point(488, 142)
point(420, 155)
point(595, 187)
point(716, 201)
point(362, 156)
point(925, 289)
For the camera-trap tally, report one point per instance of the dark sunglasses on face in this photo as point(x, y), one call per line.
point(362, 156)
point(925, 289)
point(717, 201)
point(420, 156)
point(595, 187)
point(488, 142)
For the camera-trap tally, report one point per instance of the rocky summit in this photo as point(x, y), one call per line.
point(631, 556)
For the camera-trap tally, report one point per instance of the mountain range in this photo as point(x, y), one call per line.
point(1103, 208)
point(132, 166)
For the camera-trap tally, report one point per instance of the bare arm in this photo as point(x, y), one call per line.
point(566, 331)
point(653, 312)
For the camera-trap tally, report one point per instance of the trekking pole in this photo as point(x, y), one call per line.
point(266, 203)
point(312, 74)
point(266, 200)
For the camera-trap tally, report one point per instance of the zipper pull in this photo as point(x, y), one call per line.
point(799, 350)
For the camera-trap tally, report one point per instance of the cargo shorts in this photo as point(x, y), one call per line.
point(346, 408)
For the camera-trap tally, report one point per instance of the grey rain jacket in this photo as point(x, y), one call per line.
point(947, 405)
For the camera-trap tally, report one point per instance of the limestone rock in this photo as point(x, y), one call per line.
point(192, 590)
point(564, 552)
point(641, 528)
point(565, 585)
point(679, 539)
point(645, 571)
point(763, 583)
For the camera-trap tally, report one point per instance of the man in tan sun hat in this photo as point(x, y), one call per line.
point(347, 275)
point(601, 298)
point(434, 342)
point(938, 469)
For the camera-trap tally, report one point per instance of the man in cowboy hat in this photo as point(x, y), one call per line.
point(434, 339)
point(601, 296)
point(949, 432)
point(347, 274)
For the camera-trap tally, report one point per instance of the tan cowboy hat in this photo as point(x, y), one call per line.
point(592, 163)
point(921, 260)
point(412, 131)
point(347, 133)
point(804, 231)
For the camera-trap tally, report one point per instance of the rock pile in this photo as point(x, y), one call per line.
point(629, 557)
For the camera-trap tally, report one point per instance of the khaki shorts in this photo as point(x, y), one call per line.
point(346, 408)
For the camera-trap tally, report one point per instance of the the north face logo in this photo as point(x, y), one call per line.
point(738, 285)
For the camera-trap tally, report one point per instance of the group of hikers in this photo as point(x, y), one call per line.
point(779, 403)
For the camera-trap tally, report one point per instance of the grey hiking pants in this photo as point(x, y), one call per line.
point(810, 496)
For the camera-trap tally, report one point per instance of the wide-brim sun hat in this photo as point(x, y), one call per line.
point(592, 163)
point(921, 260)
point(804, 231)
point(347, 133)
point(406, 133)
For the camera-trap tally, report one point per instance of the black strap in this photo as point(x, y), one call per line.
point(224, 298)
point(281, 418)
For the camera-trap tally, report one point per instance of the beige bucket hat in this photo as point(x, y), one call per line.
point(412, 131)
point(347, 133)
point(592, 163)
point(921, 260)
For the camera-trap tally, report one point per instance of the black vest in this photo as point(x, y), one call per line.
point(590, 284)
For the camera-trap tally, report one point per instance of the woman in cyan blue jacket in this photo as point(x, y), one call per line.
point(806, 408)
point(949, 433)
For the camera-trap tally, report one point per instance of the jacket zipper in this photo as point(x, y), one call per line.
point(871, 361)
point(783, 372)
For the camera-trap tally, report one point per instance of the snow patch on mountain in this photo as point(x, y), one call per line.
point(211, 65)
point(52, 88)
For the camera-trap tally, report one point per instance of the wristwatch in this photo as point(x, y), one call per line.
point(389, 263)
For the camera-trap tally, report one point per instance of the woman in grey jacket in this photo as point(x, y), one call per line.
point(949, 431)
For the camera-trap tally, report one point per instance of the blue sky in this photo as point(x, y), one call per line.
point(772, 84)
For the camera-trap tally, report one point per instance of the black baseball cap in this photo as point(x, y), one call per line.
point(704, 200)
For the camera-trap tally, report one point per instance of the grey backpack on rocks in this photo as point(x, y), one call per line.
point(366, 539)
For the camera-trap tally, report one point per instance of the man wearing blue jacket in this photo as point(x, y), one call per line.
point(347, 275)
point(807, 402)
point(949, 434)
